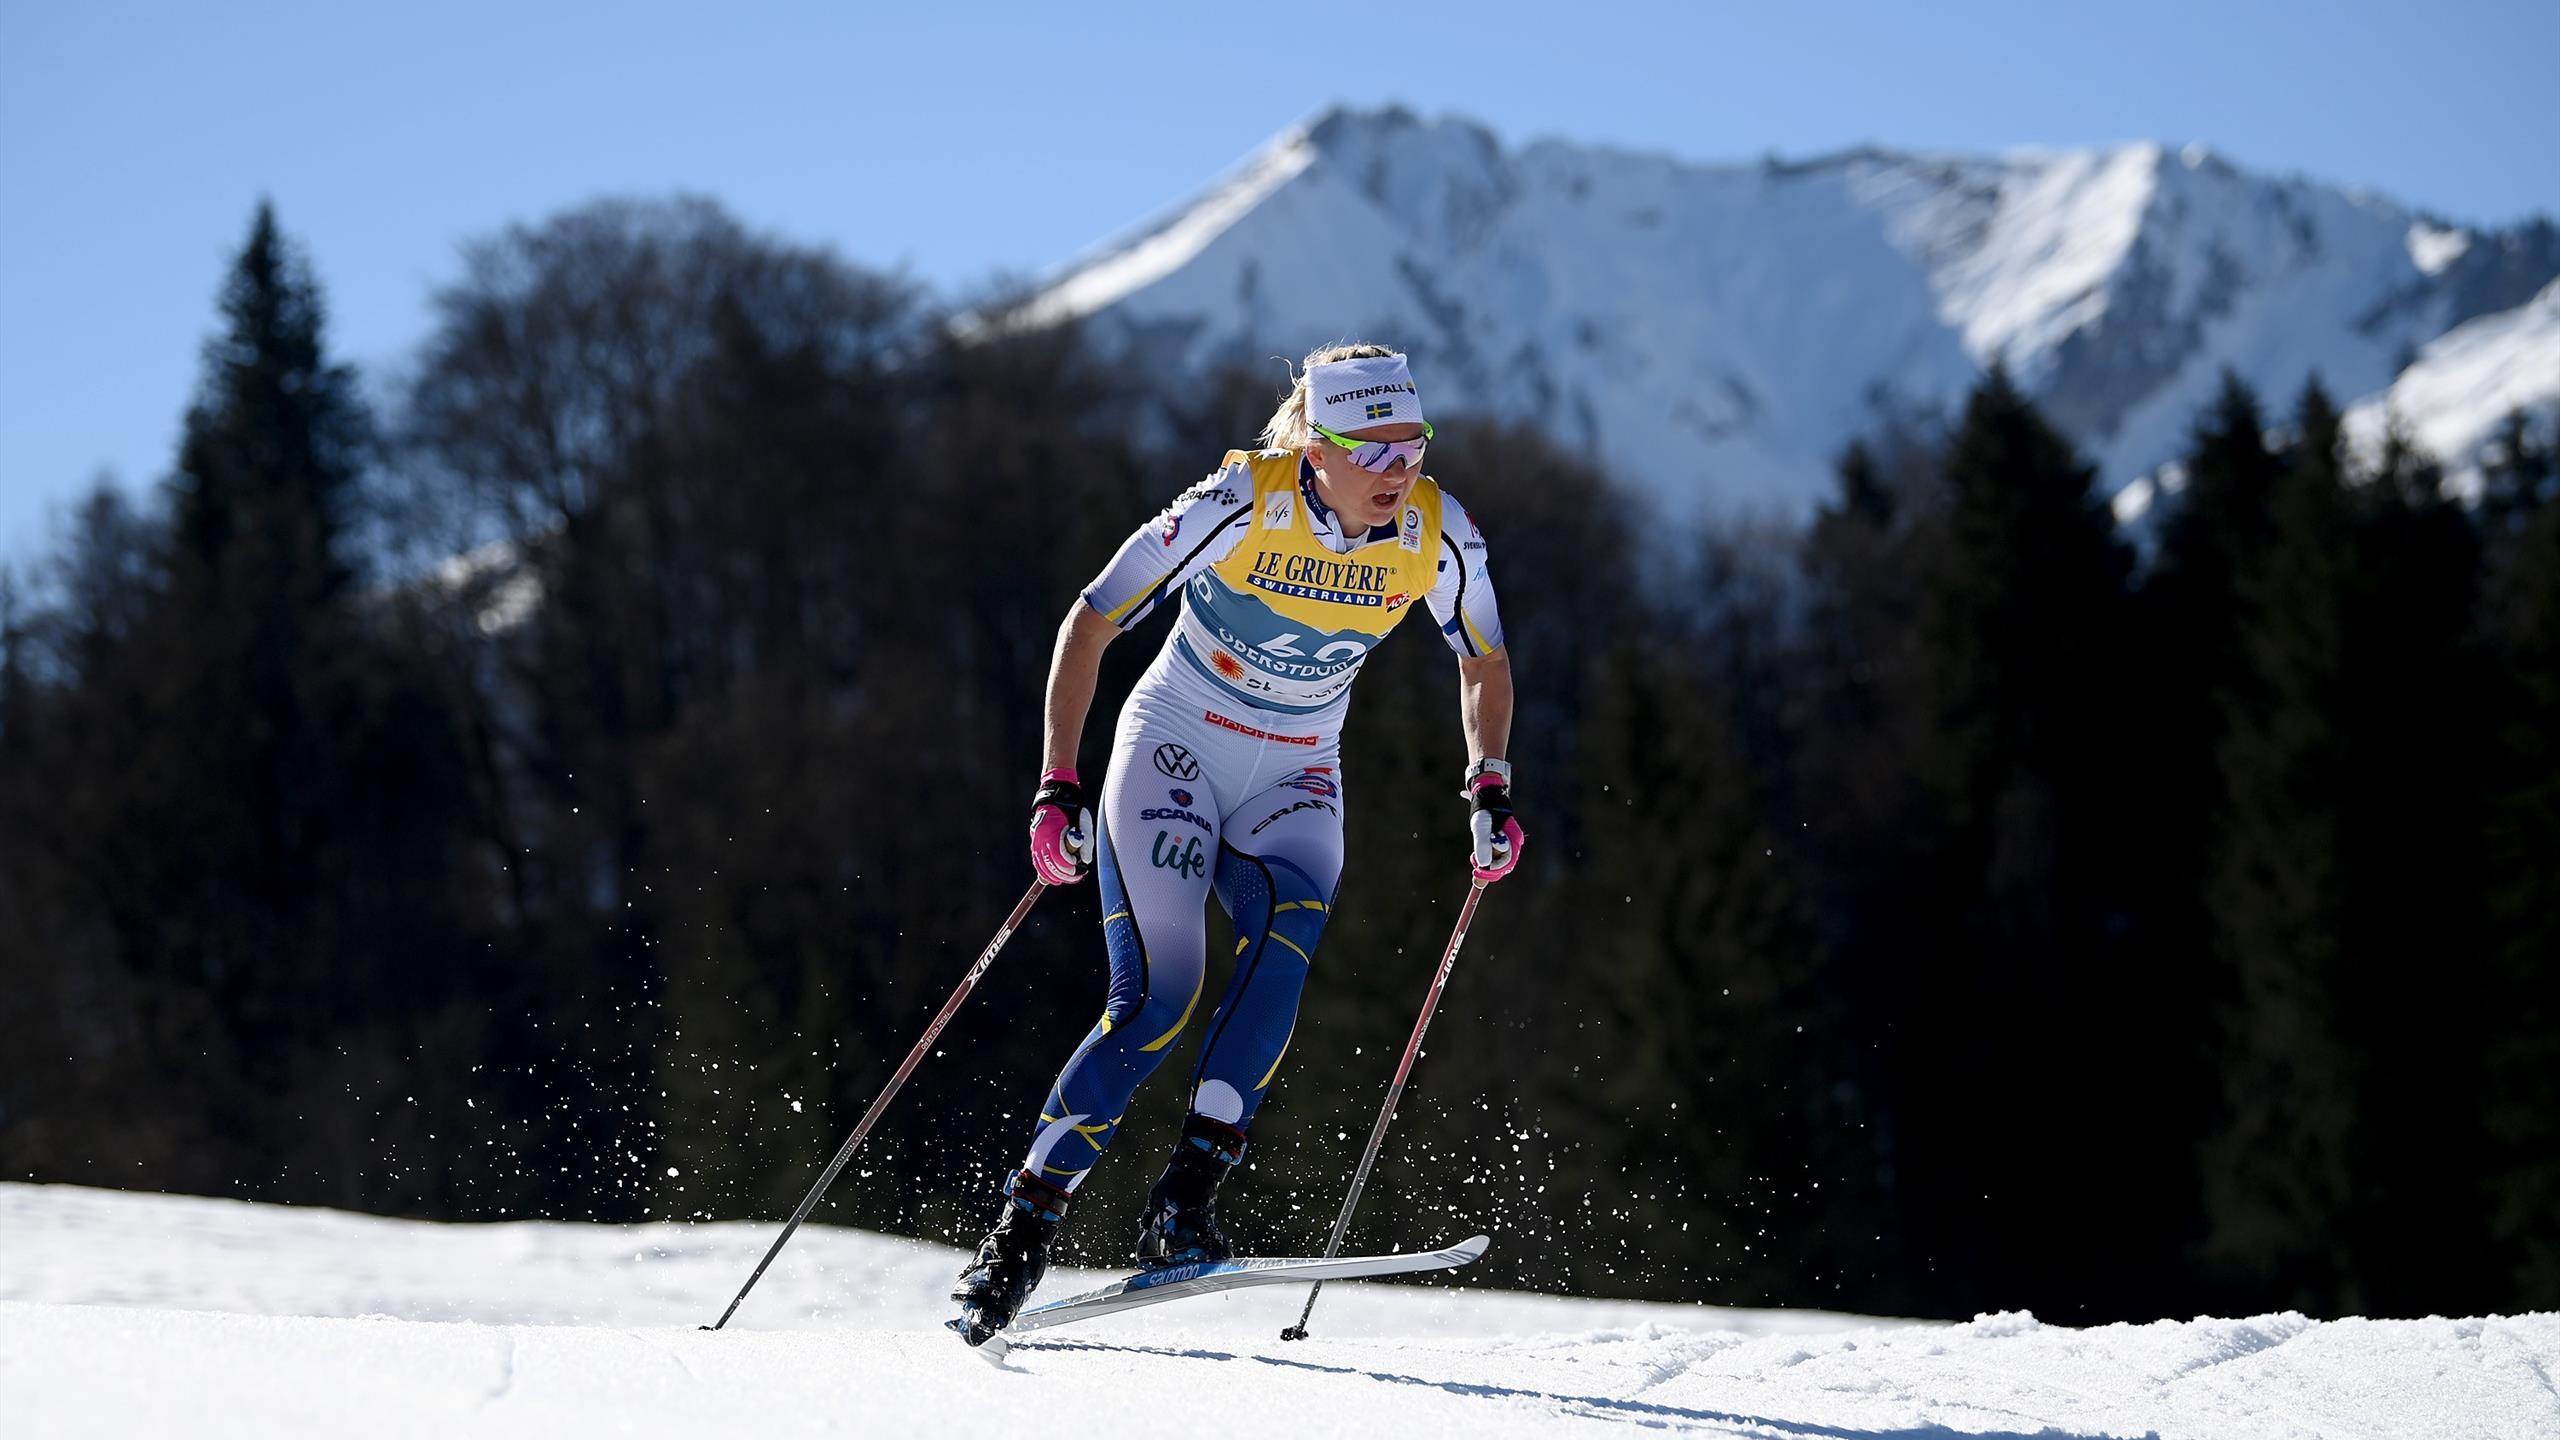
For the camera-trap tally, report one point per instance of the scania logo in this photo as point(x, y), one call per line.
point(1175, 761)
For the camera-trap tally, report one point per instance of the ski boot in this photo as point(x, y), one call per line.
point(1180, 1226)
point(1011, 1259)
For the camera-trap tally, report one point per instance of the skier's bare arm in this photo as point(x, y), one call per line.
point(1073, 666)
point(1484, 704)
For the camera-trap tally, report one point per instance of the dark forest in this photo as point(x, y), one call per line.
point(561, 778)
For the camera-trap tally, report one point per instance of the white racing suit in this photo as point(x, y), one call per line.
point(1226, 771)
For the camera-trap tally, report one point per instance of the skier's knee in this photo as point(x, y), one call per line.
point(1275, 900)
point(1298, 915)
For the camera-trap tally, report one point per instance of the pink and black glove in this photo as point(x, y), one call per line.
point(1062, 839)
point(1497, 834)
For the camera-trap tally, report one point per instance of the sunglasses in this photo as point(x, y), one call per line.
point(1380, 456)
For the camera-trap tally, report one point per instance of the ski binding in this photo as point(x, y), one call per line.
point(1175, 1282)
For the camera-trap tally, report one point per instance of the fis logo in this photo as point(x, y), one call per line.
point(1277, 511)
point(1380, 410)
point(1411, 539)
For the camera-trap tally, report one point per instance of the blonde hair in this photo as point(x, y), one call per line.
point(1288, 428)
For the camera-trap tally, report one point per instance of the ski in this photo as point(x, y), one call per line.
point(1154, 1287)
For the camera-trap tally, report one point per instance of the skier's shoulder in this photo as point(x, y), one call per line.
point(1229, 487)
point(1208, 513)
point(1263, 482)
point(1225, 489)
point(1450, 517)
point(1263, 470)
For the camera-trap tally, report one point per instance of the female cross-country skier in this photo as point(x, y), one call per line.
point(1291, 563)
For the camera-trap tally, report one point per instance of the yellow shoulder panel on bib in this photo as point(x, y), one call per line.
point(1283, 564)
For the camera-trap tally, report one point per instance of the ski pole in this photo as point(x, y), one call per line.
point(1387, 1112)
point(915, 1057)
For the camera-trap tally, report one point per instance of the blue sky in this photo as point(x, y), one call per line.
point(964, 141)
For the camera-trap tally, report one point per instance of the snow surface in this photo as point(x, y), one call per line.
point(145, 1315)
point(1714, 334)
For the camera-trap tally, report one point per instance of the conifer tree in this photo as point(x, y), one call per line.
point(2521, 1060)
point(2225, 511)
point(2022, 621)
point(268, 835)
point(2279, 1173)
point(16, 697)
point(1861, 826)
point(2415, 987)
point(248, 640)
point(1722, 1082)
point(2519, 474)
point(2214, 537)
point(2188, 648)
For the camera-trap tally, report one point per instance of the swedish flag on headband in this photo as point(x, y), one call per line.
point(1347, 394)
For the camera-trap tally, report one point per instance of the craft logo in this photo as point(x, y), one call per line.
point(1283, 813)
point(1175, 761)
point(1184, 860)
point(1313, 784)
point(1381, 410)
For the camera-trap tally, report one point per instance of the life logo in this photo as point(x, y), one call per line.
point(1185, 860)
point(1314, 784)
point(1411, 539)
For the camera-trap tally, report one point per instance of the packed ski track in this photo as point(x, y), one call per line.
point(140, 1315)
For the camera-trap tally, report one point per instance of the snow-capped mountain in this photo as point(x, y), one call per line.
point(1715, 334)
point(2466, 382)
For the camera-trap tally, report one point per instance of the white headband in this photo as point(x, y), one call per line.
point(1348, 395)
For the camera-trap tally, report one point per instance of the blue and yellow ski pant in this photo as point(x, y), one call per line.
point(1197, 800)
